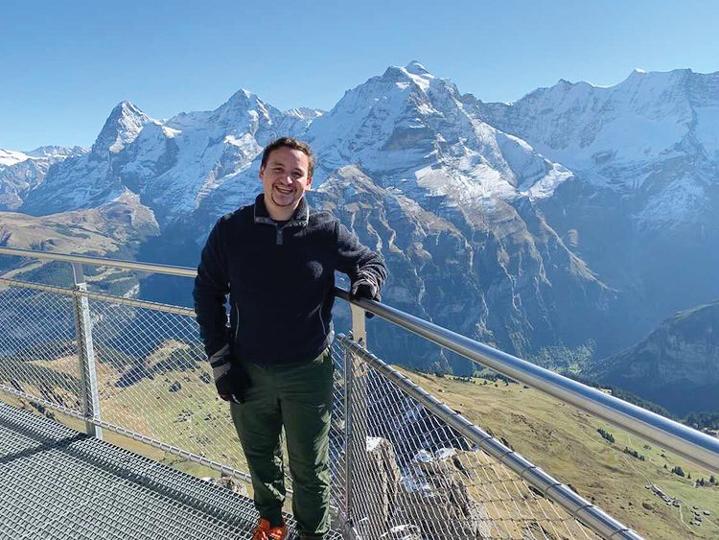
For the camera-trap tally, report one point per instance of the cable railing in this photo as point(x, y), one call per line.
point(403, 462)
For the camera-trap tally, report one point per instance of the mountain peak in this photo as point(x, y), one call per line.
point(415, 68)
point(242, 96)
point(413, 73)
point(243, 108)
point(121, 128)
point(127, 109)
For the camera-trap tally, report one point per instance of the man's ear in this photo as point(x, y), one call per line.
point(309, 182)
point(262, 172)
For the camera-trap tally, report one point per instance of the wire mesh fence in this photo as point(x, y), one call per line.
point(154, 380)
point(413, 476)
point(398, 469)
point(38, 346)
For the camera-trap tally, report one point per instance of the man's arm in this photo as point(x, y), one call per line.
point(365, 268)
point(211, 287)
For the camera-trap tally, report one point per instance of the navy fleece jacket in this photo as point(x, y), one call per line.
point(280, 278)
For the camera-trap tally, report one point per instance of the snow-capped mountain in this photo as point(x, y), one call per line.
point(409, 129)
point(644, 211)
point(653, 137)
point(171, 164)
point(536, 223)
point(20, 172)
point(91, 179)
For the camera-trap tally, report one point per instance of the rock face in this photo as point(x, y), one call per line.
point(117, 226)
point(489, 269)
point(675, 366)
point(437, 499)
point(381, 485)
point(430, 501)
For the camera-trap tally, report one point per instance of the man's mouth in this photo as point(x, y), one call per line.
point(284, 191)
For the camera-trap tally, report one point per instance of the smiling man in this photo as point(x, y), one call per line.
point(286, 174)
point(276, 259)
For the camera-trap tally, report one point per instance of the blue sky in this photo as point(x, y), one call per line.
point(64, 65)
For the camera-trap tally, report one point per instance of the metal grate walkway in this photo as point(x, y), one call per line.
point(57, 483)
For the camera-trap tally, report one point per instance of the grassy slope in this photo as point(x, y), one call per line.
point(192, 418)
point(564, 442)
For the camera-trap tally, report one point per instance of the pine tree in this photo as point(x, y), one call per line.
point(678, 471)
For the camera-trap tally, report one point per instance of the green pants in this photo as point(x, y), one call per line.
point(298, 398)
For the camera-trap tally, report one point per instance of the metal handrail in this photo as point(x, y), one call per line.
point(692, 444)
point(74, 293)
point(98, 261)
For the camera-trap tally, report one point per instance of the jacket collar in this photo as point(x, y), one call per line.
point(300, 218)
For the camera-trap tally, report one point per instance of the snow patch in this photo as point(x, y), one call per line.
point(11, 157)
point(445, 453)
point(546, 186)
point(414, 485)
point(422, 81)
point(373, 443)
point(170, 133)
point(423, 456)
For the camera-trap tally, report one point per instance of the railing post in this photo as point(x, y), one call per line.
point(356, 406)
point(359, 330)
point(89, 396)
point(348, 435)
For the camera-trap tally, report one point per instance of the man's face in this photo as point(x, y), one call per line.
point(285, 179)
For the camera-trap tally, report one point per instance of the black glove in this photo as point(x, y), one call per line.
point(365, 288)
point(234, 384)
point(231, 379)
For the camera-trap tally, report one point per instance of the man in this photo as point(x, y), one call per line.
point(277, 259)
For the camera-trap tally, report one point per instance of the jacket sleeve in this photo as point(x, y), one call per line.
point(357, 260)
point(211, 287)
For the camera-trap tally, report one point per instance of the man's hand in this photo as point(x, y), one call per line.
point(365, 288)
point(231, 380)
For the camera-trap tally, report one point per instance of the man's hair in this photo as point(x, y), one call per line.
point(290, 142)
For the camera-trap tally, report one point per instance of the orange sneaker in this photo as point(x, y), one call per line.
point(263, 531)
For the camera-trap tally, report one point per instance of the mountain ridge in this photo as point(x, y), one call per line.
point(534, 251)
point(675, 366)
